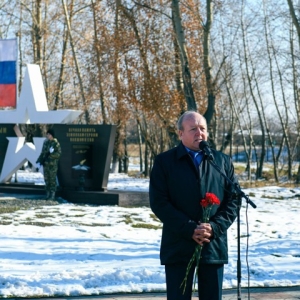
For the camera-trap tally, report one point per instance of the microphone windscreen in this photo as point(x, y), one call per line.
point(203, 144)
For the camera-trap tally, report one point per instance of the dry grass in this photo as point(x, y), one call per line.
point(267, 176)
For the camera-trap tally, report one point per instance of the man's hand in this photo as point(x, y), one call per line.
point(202, 234)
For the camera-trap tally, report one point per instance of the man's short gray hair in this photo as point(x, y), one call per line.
point(184, 116)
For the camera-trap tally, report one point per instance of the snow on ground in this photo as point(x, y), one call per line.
point(73, 250)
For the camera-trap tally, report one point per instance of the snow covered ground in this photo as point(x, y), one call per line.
point(73, 250)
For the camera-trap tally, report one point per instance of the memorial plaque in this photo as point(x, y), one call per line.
point(86, 156)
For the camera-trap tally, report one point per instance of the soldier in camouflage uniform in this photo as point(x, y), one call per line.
point(48, 158)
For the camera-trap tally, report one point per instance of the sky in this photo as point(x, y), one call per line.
point(92, 250)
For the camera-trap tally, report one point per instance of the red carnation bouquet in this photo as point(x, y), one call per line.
point(206, 203)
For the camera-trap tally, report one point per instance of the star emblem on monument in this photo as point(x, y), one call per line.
point(32, 108)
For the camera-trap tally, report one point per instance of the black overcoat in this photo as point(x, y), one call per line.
point(176, 188)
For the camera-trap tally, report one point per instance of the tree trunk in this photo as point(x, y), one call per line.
point(86, 112)
point(260, 162)
point(296, 100)
point(99, 64)
point(210, 85)
point(186, 74)
point(140, 143)
point(295, 19)
point(57, 96)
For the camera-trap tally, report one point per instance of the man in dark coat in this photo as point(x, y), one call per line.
point(176, 187)
point(49, 158)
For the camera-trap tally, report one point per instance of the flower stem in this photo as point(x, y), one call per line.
point(196, 256)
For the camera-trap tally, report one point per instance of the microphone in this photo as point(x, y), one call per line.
point(204, 146)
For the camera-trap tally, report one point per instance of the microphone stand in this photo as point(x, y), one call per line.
point(239, 194)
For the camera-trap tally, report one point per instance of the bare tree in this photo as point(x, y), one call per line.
point(210, 81)
point(86, 112)
point(96, 10)
point(295, 19)
point(185, 67)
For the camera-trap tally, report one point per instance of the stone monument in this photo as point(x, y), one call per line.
point(86, 149)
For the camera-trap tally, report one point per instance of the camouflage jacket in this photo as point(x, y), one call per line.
point(46, 157)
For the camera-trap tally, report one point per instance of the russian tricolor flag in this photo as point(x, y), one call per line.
point(8, 72)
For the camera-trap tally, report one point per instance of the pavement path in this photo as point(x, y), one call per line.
point(277, 293)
